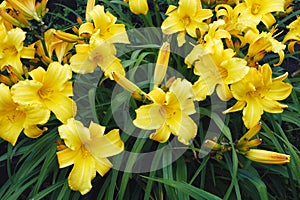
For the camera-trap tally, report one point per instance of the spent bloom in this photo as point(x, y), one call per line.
point(14, 117)
point(50, 89)
point(186, 18)
point(258, 92)
point(87, 149)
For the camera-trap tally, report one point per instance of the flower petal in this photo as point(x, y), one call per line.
point(150, 117)
point(62, 106)
point(279, 90)
point(239, 105)
point(102, 165)
point(26, 92)
point(236, 68)
point(70, 132)
point(82, 174)
point(272, 106)
point(105, 146)
point(252, 112)
point(33, 131)
point(162, 134)
point(38, 74)
point(66, 157)
point(200, 89)
point(172, 24)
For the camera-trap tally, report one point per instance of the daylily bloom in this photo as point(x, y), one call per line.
point(87, 149)
point(293, 35)
point(12, 49)
point(186, 18)
point(267, 157)
point(138, 6)
point(252, 12)
point(50, 89)
point(259, 44)
point(14, 117)
point(258, 92)
point(26, 8)
point(169, 113)
point(216, 66)
point(104, 26)
point(98, 53)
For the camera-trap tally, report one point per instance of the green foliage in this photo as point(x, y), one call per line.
point(30, 170)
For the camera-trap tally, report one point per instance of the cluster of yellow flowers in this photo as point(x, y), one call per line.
point(226, 57)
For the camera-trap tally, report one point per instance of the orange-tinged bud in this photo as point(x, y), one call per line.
point(267, 157)
point(5, 80)
point(162, 63)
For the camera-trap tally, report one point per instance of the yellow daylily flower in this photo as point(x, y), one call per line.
point(169, 113)
point(12, 49)
point(258, 92)
point(138, 6)
point(254, 11)
point(25, 7)
point(216, 67)
point(98, 53)
point(60, 47)
point(186, 18)
point(14, 117)
point(267, 157)
point(105, 26)
point(260, 43)
point(87, 149)
point(293, 35)
point(50, 88)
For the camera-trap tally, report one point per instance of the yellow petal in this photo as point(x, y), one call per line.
point(181, 38)
point(223, 92)
point(183, 127)
point(187, 8)
point(157, 95)
point(272, 106)
point(62, 106)
point(11, 126)
point(5, 98)
point(161, 135)
point(266, 72)
point(111, 64)
point(33, 131)
point(38, 74)
point(236, 68)
point(57, 75)
point(80, 62)
point(252, 112)
point(172, 24)
point(27, 52)
point(239, 105)
point(66, 157)
point(82, 174)
point(268, 19)
point(26, 92)
point(102, 165)
point(279, 90)
point(96, 130)
point(105, 146)
point(150, 116)
point(200, 89)
point(35, 114)
point(70, 132)
point(116, 34)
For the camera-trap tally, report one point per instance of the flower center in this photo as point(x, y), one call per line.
point(186, 20)
point(45, 92)
point(9, 50)
point(14, 116)
point(255, 8)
